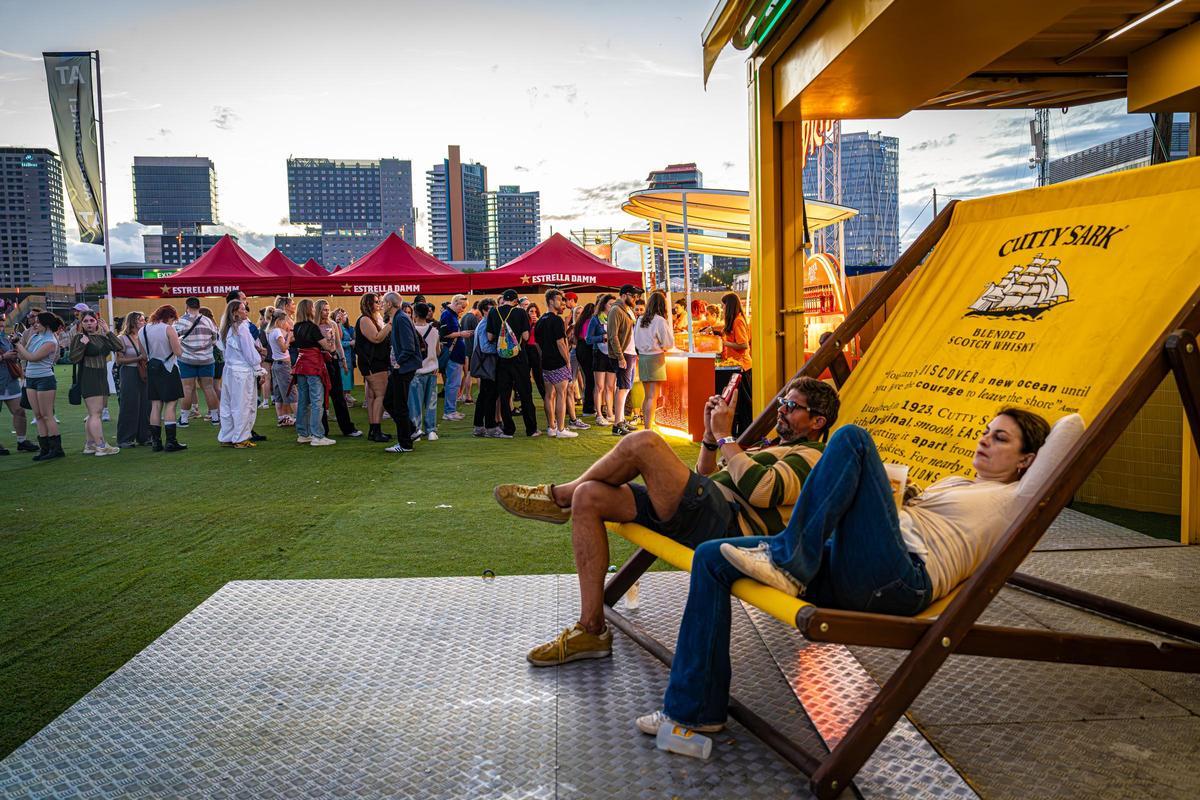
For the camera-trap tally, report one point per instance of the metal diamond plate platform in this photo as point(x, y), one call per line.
point(1075, 531)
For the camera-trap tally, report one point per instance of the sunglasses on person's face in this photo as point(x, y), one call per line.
point(791, 405)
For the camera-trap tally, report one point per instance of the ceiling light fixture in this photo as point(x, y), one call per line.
point(1128, 26)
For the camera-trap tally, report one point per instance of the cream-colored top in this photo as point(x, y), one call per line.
point(956, 522)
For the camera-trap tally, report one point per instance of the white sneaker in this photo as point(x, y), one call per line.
point(552, 433)
point(107, 450)
point(564, 433)
point(104, 415)
point(397, 448)
point(322, 442)
point(602, 421)
point(433, 437)
point(89, 449)
point(454, 415)
point(418, 433)
point(755, 562)
point(304, 440)
point(650, 724)
point(355, 435)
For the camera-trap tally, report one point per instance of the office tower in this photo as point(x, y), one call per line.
point(514, 224)
point(457, 209)
point(178, 193)
point(33, 238)
point(300, 248)
point(178, 247)
point(350, 206)
point(675, 177)
point(732, 264)
point(870, 169)
point(1116, 155)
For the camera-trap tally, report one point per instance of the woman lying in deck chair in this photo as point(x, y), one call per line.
point(847, 547)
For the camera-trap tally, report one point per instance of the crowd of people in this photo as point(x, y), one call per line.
point(300, 356)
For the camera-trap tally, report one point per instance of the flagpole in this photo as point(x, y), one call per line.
point(104, 193)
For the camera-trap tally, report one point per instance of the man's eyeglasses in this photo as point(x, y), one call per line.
point(791, 405)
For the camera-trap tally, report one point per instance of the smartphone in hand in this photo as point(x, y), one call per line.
point(731, 388)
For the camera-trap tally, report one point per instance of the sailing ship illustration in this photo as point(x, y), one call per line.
point(1024, 291)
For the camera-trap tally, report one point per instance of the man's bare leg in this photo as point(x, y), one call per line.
point(642, 453)
point(600, 495)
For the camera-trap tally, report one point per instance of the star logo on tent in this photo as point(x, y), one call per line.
point(524, 279)
point(346, 288)
point(166, 289)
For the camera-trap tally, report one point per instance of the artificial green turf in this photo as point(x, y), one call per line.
point(101, 555)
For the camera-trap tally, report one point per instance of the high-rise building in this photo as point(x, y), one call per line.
point(178, 193)
point(361, 195)
point(300, 248)
point(870, 175)
point(732, 264)
point(457, 209)
point(1126, 152)
point(350, 206)
point(677, 176)
point(33, 238)
point(514, 224)
point(179, 247)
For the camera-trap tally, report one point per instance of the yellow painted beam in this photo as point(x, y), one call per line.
point(765, 261)
point(871, 59)
point(1189, 514)
point(1165, 76)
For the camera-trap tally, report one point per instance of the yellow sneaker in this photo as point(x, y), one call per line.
point(573, 644)
point(531, 502)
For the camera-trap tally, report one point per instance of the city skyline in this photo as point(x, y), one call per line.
point(554, 100)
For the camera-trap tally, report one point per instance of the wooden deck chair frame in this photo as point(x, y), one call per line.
point(931, 640)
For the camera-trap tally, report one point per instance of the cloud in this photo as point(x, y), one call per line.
point(9, 77)
point(935, 144)
point(567, 92)
point(19, 56)
point(224, 117)
point(608, 194)
point(560, 217)
point(124, 243)
point(727, 165)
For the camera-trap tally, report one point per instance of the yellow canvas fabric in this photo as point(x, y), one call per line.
point(1044, 299)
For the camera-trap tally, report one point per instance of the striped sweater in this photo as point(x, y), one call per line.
point(766, 484)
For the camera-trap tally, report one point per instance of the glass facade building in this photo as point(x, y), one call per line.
point(677, 176)
point(301, 248)
point(468, 224)
point(33, 238)
point(514, 224)
point(870, 172)
point(178, 193)
point(1117, 155)
point(364, 195)
point(179, 247)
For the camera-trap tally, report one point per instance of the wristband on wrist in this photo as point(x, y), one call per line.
point(724, 440)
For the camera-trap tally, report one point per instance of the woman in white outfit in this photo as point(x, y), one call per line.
point(242, 361)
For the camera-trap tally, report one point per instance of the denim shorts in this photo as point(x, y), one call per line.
point(197, 370)
point(625, 376)
point(45, 384)
point(703, 513)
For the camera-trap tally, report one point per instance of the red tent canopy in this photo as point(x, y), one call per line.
point(396, 266)
point(557, 262)
point(223, 269)
point(313, 268)
point(299, 280)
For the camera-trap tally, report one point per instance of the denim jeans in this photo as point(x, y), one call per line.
point(310, 402)
point(843, 541)
point(422, 401)
point(453, 382)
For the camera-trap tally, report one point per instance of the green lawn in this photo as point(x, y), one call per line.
point(101, 555)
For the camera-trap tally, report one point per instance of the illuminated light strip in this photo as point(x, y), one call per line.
point(1154, 12)
point(675, 433)
point(779, 15)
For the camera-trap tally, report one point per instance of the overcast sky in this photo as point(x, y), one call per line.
point(578, 100)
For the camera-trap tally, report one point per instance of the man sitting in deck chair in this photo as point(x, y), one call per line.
point(752, 494)
point(847, 547)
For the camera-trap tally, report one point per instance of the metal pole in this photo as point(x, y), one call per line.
point(687, 277)
point(104, 192)
point(666, 254)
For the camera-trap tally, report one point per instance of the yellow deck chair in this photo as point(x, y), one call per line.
point(1080, 297)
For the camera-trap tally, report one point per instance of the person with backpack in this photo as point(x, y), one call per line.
point(422, 395)
point(483, 368)
point(405, 359)
point(508, 327)
point(197, 334)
